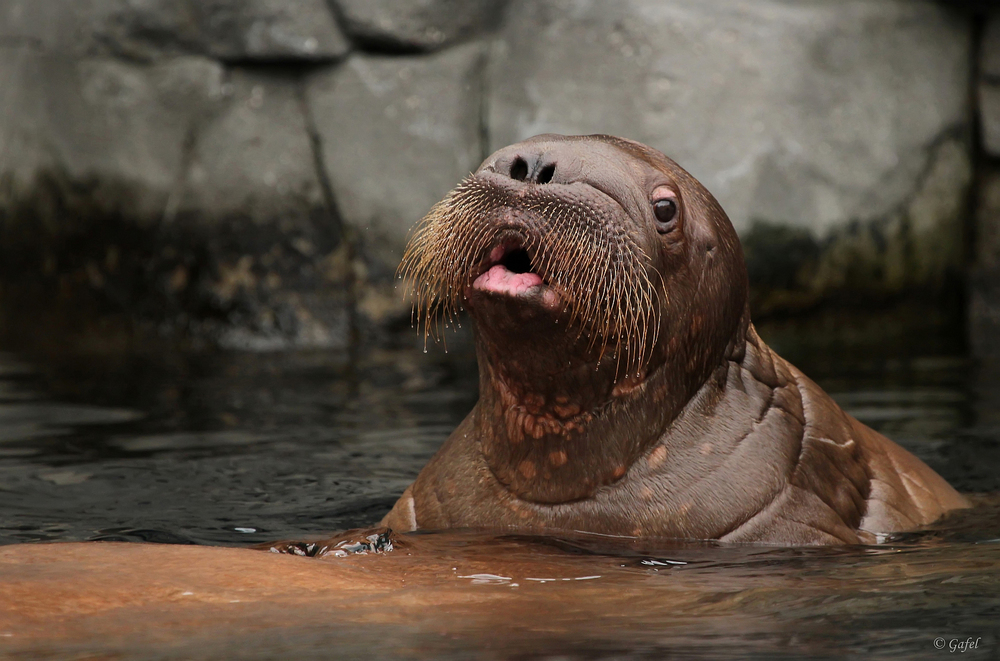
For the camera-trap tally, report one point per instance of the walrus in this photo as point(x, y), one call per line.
point(623, 389)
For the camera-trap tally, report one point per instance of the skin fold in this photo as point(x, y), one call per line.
point(623, 388)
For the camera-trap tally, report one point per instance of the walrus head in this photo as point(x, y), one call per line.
point(606, 285)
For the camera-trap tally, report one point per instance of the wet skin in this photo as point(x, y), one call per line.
point(657, 414)
point(511, 596)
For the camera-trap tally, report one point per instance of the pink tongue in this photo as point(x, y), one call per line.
point(503, 281)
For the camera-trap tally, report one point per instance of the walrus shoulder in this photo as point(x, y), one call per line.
point(822, 500)
point(905, 493)
point(449, 491)
point(850, 484)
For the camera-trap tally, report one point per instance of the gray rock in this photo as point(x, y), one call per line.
point(805, 114)
point(417, 24)
point(397, 134)
point(270, 30)
point(112, 131)
point(984, 303)
point(989, 86)
point(984, 298)
point(253, 158)
point(989, 54)
point(230, 30)
point(251, 172)
point(920, 244)
point(239, 30)
point(165, 190)
point(144, 158)
point(45, 25)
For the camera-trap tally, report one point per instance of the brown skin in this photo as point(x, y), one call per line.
point(697, 431)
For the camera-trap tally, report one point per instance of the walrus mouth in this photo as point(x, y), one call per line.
point(561, 247)
point(508, 270)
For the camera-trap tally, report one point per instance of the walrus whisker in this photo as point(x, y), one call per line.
point(570, 241)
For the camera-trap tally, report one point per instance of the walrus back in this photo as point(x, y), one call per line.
point(903, 492)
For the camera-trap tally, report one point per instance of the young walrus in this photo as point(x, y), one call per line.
point(623, 388)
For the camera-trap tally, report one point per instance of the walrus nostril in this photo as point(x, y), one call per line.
point(517, 261)
point(518, 169)
point(546, 173)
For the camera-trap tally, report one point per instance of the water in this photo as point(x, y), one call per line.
point(216, 449)
point(236, 449)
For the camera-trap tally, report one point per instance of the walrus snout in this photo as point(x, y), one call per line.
point(586, 250)
point(562, 251)
point(553, 159)
point(531, 166)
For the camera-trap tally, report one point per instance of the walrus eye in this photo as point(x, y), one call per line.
point(665, 212)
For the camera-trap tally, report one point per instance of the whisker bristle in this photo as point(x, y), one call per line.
point(600, 272)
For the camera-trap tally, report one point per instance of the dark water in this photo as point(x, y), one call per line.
point(228, 449)
point(236, 449)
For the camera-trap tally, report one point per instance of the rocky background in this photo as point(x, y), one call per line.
point(245, 172)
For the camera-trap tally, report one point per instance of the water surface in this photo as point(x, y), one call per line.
point(235, 449)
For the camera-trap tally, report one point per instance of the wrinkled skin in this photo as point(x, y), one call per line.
point(697, 430)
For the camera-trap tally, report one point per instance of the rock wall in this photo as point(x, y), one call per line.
point(247, 171)
point(842, 126)
point(984, 305)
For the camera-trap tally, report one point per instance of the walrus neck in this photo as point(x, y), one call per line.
point(540, 433)
point(555, 428)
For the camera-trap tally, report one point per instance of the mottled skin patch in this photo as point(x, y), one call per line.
point(632, 411)
point(558, 458)
point(657, 456)
point(527, 469)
